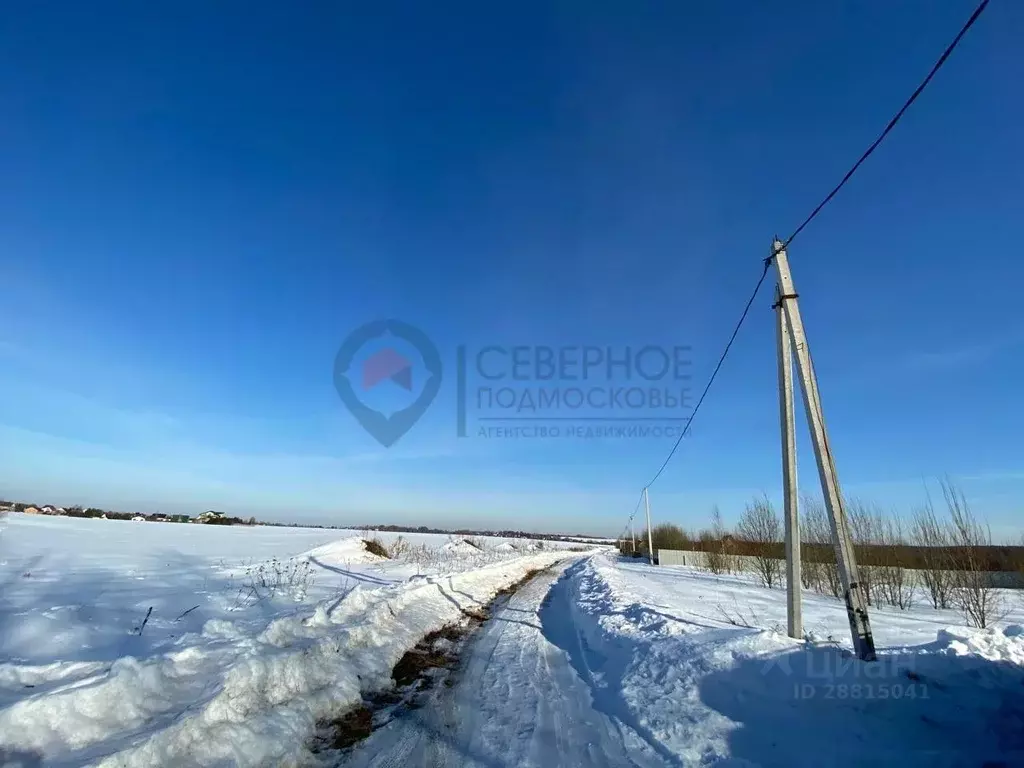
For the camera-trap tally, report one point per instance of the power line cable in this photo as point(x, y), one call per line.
point(828, 198)
point(633, 515)
point(714, 374)
point(892, 123)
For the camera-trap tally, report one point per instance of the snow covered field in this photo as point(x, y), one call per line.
point(227, 667)
point(662, 651)
point(597, 662)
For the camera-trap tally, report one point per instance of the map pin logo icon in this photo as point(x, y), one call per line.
point(355, 377)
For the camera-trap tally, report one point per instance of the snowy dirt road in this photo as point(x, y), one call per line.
point(521, 697)
point(606, 662)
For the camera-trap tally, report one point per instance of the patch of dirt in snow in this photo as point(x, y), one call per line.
point(511, 589)
point(438, 650)
point(349, 729)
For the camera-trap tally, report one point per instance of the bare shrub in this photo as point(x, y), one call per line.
point(399, 548)
point(979, 602)
point(664, 536)
point(376, 547)
point(759, 526)
point(713, 559)
point(737, 618)
point(669, 536)
point(263, 581)
point(750, 620)
point(932, 539)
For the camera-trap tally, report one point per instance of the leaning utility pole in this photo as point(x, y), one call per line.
point(856, 602)
point(794, 621)
point(650, 545)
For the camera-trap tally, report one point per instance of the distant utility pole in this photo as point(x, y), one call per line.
point(647, 509)
point(794, 621)
point(856, 602)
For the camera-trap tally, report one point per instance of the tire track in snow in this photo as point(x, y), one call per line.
point(518, 700)
point(601, 674)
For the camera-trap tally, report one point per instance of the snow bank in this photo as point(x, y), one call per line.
point(231, 696)
point(460, 547)
point(995, 644)
point(698, 689)
point(217, 675)
point(348, 551)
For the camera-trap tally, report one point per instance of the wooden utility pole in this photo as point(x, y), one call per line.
point(853, 590)
point(794, 621)
point(650, 545)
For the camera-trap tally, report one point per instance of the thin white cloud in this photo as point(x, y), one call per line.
point(962, 356)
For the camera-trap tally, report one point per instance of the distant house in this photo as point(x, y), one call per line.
point(138, 519)
point(32, 511)
point(159, 519)
point(60, 511)
point(209, 515)
point(48, 510)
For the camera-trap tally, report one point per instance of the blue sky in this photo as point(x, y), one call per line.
point(199, 204)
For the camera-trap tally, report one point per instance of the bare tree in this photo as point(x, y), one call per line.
point(727, 544)
point(760, 527)
point(866, 523)
point(712, 552)
point(824, 572)
point(980, 603)
point(810, 569)
point(895, 584)
point(664, 536)
point(718, 529)
point(932, 540)
point(716, 560)
point(669, 536)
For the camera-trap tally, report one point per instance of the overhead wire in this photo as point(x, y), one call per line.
point(767, 262)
